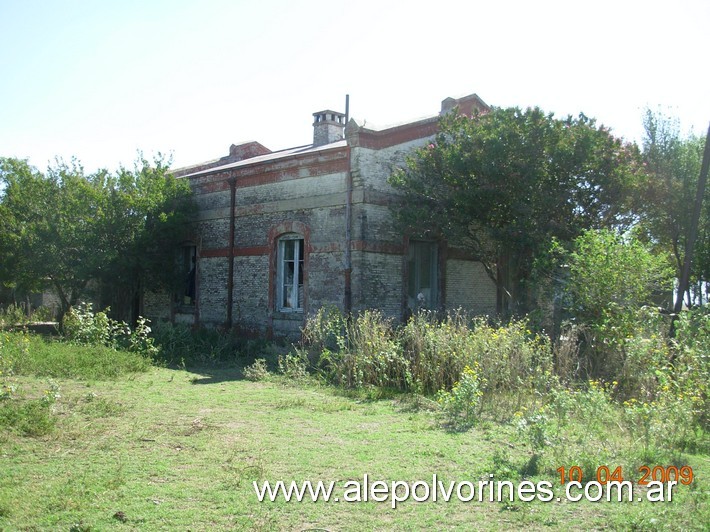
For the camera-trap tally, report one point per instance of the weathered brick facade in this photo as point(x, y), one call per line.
point(287, 232)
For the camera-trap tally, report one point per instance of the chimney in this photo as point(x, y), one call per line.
point(328, 126)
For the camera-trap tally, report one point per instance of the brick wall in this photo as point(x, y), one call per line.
point(469, 287)
point(304, 190)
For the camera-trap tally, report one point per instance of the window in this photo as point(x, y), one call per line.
point(188, 261)
point(422, 290)
point(289, 274)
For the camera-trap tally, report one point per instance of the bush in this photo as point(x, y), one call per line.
point(426, 355)
point(367, 351)
point(13, 315)
point(7, 381)
point(438, 352)
point(509, 356)
point(256, 371)
point(81, 325)
point(611, 277)
point(460, 405)
point(326, 329)
point(294, 365)
point(690, 366)
point(179, 344)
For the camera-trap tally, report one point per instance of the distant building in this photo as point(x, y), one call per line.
point(280, 234)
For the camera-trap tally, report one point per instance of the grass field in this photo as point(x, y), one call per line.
point(174, 449)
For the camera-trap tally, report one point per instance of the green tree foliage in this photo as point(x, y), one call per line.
point(673, 163)
point(611, 275)
point(65, 229)
point(611, 280)
point(506, 182)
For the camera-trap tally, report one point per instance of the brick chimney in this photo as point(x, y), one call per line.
point(328, 126)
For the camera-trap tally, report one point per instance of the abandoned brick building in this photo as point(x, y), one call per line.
point(280, 234)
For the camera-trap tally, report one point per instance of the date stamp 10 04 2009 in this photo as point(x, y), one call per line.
point(604, 474)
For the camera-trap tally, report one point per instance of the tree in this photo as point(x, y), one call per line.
point(147, 213)
point(64, 229)
point(48, 224)
point(673, 163)
point(506, 182)
point(610, 279)
point(612, 274)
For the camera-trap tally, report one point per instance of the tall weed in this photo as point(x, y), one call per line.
point(367, 353)
point(426, 354)
point(181, 345)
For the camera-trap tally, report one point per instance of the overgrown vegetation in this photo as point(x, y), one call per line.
point(506, 373)
point(106, 235)
point(13, 315)
point(94, 347)
point(504, 183)
point(171, 448)
point(590, 378)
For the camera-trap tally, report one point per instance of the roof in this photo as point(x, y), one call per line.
point(281, 154)
point(255, 153)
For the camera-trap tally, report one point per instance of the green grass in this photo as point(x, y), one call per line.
point(170, 449)
point(52, 358)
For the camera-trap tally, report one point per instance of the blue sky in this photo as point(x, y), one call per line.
point(100, 80)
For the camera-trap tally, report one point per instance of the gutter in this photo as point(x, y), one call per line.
point(347, 295)
point(230, 258)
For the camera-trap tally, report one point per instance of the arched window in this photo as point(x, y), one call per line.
point(289, 273)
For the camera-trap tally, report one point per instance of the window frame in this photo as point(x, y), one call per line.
point(416, 250)
point(297, 284)
point(187, 258)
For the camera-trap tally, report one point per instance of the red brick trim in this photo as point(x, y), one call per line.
point(377, 140)
point(212, 253)
point(273, 171)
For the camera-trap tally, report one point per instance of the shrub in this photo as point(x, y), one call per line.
point(367, 352)
point(294, 365)
point(7, 382)
point(438, 352)
point(140, 341)
point(610, 277)
point(690, 367)
point(512, 357)
point(256, 371)
point(535, 428)
point(460, 405)
point(180, 344)
point(83, 326)
point(13, 315)
point(373, 355)
point(43, 314)
point(325, 329)
point(427, 355)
